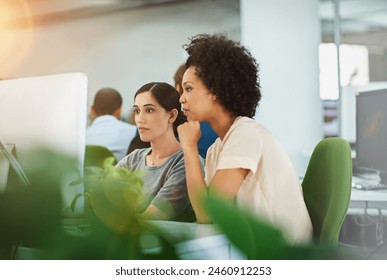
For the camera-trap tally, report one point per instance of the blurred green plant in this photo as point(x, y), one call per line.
point(32, 218)
point(114, 194)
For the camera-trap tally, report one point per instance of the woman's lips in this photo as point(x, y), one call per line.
point(142, 129)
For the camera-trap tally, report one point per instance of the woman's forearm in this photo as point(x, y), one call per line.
point(197, 189)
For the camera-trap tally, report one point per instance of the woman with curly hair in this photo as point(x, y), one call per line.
point(246, 163)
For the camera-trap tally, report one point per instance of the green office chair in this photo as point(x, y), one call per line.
point(95, 155)
point(327, 188)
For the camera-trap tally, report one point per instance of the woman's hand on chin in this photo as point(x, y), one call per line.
point(189, 134)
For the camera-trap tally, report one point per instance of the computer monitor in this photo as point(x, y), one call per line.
point(371, 132)
point(348, 108)
point(47, 112)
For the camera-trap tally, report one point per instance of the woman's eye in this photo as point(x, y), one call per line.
point(149, 110)
point(136, 112)
point(188, 89)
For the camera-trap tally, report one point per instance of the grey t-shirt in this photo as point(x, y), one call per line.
point(164, 186)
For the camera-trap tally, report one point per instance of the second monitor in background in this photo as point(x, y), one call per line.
point(371, 132)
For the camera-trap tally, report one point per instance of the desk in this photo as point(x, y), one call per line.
point(367, 198)
point(195, 241)
point(192, 241)
point(364, 224)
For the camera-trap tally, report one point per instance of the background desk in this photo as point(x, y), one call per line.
point(368, 199)
point(365, 223)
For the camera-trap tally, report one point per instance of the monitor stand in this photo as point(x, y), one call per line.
point(383, 178)
point(4, 167)
point(14, 163)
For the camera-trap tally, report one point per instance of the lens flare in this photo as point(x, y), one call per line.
point(16, 34)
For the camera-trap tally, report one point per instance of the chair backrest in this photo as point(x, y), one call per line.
point(94, 155)
point(327, 188)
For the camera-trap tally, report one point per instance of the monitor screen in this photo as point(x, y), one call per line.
point(49, 112)
point(347, 108)
point(371, 131)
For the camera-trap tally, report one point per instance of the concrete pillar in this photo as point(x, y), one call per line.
point(284, 35)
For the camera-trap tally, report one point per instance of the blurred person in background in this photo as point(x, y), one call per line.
point(106, 128)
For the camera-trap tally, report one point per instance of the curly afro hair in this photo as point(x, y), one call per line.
point(228, 70)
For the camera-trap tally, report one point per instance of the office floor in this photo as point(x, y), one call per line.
point(367, 234)
point(379, 253)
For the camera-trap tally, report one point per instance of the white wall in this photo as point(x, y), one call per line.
point(283, 35)
point(131, 47)
point(123, 49)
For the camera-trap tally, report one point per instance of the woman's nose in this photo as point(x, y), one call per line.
point(182, 98)
point(139, 118)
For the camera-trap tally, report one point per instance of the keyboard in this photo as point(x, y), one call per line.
point(372, 187)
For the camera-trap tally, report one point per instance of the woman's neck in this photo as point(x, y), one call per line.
point(164, 147)
point(221, 123)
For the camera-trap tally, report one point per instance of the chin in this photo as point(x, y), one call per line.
point(145, 139)
point(192, 118)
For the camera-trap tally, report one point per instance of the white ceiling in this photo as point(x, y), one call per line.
point(362, 21)
point(356, 15)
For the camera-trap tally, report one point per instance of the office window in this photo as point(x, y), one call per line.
point(354, 71)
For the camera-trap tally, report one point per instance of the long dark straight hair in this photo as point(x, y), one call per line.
point(168, 98)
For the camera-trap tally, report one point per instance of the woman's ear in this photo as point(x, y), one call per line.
point(212, 96)
point(93, 113)
point(117, 113)
point(173, 116)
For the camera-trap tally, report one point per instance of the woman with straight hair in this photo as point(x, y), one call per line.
point(157, 114)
